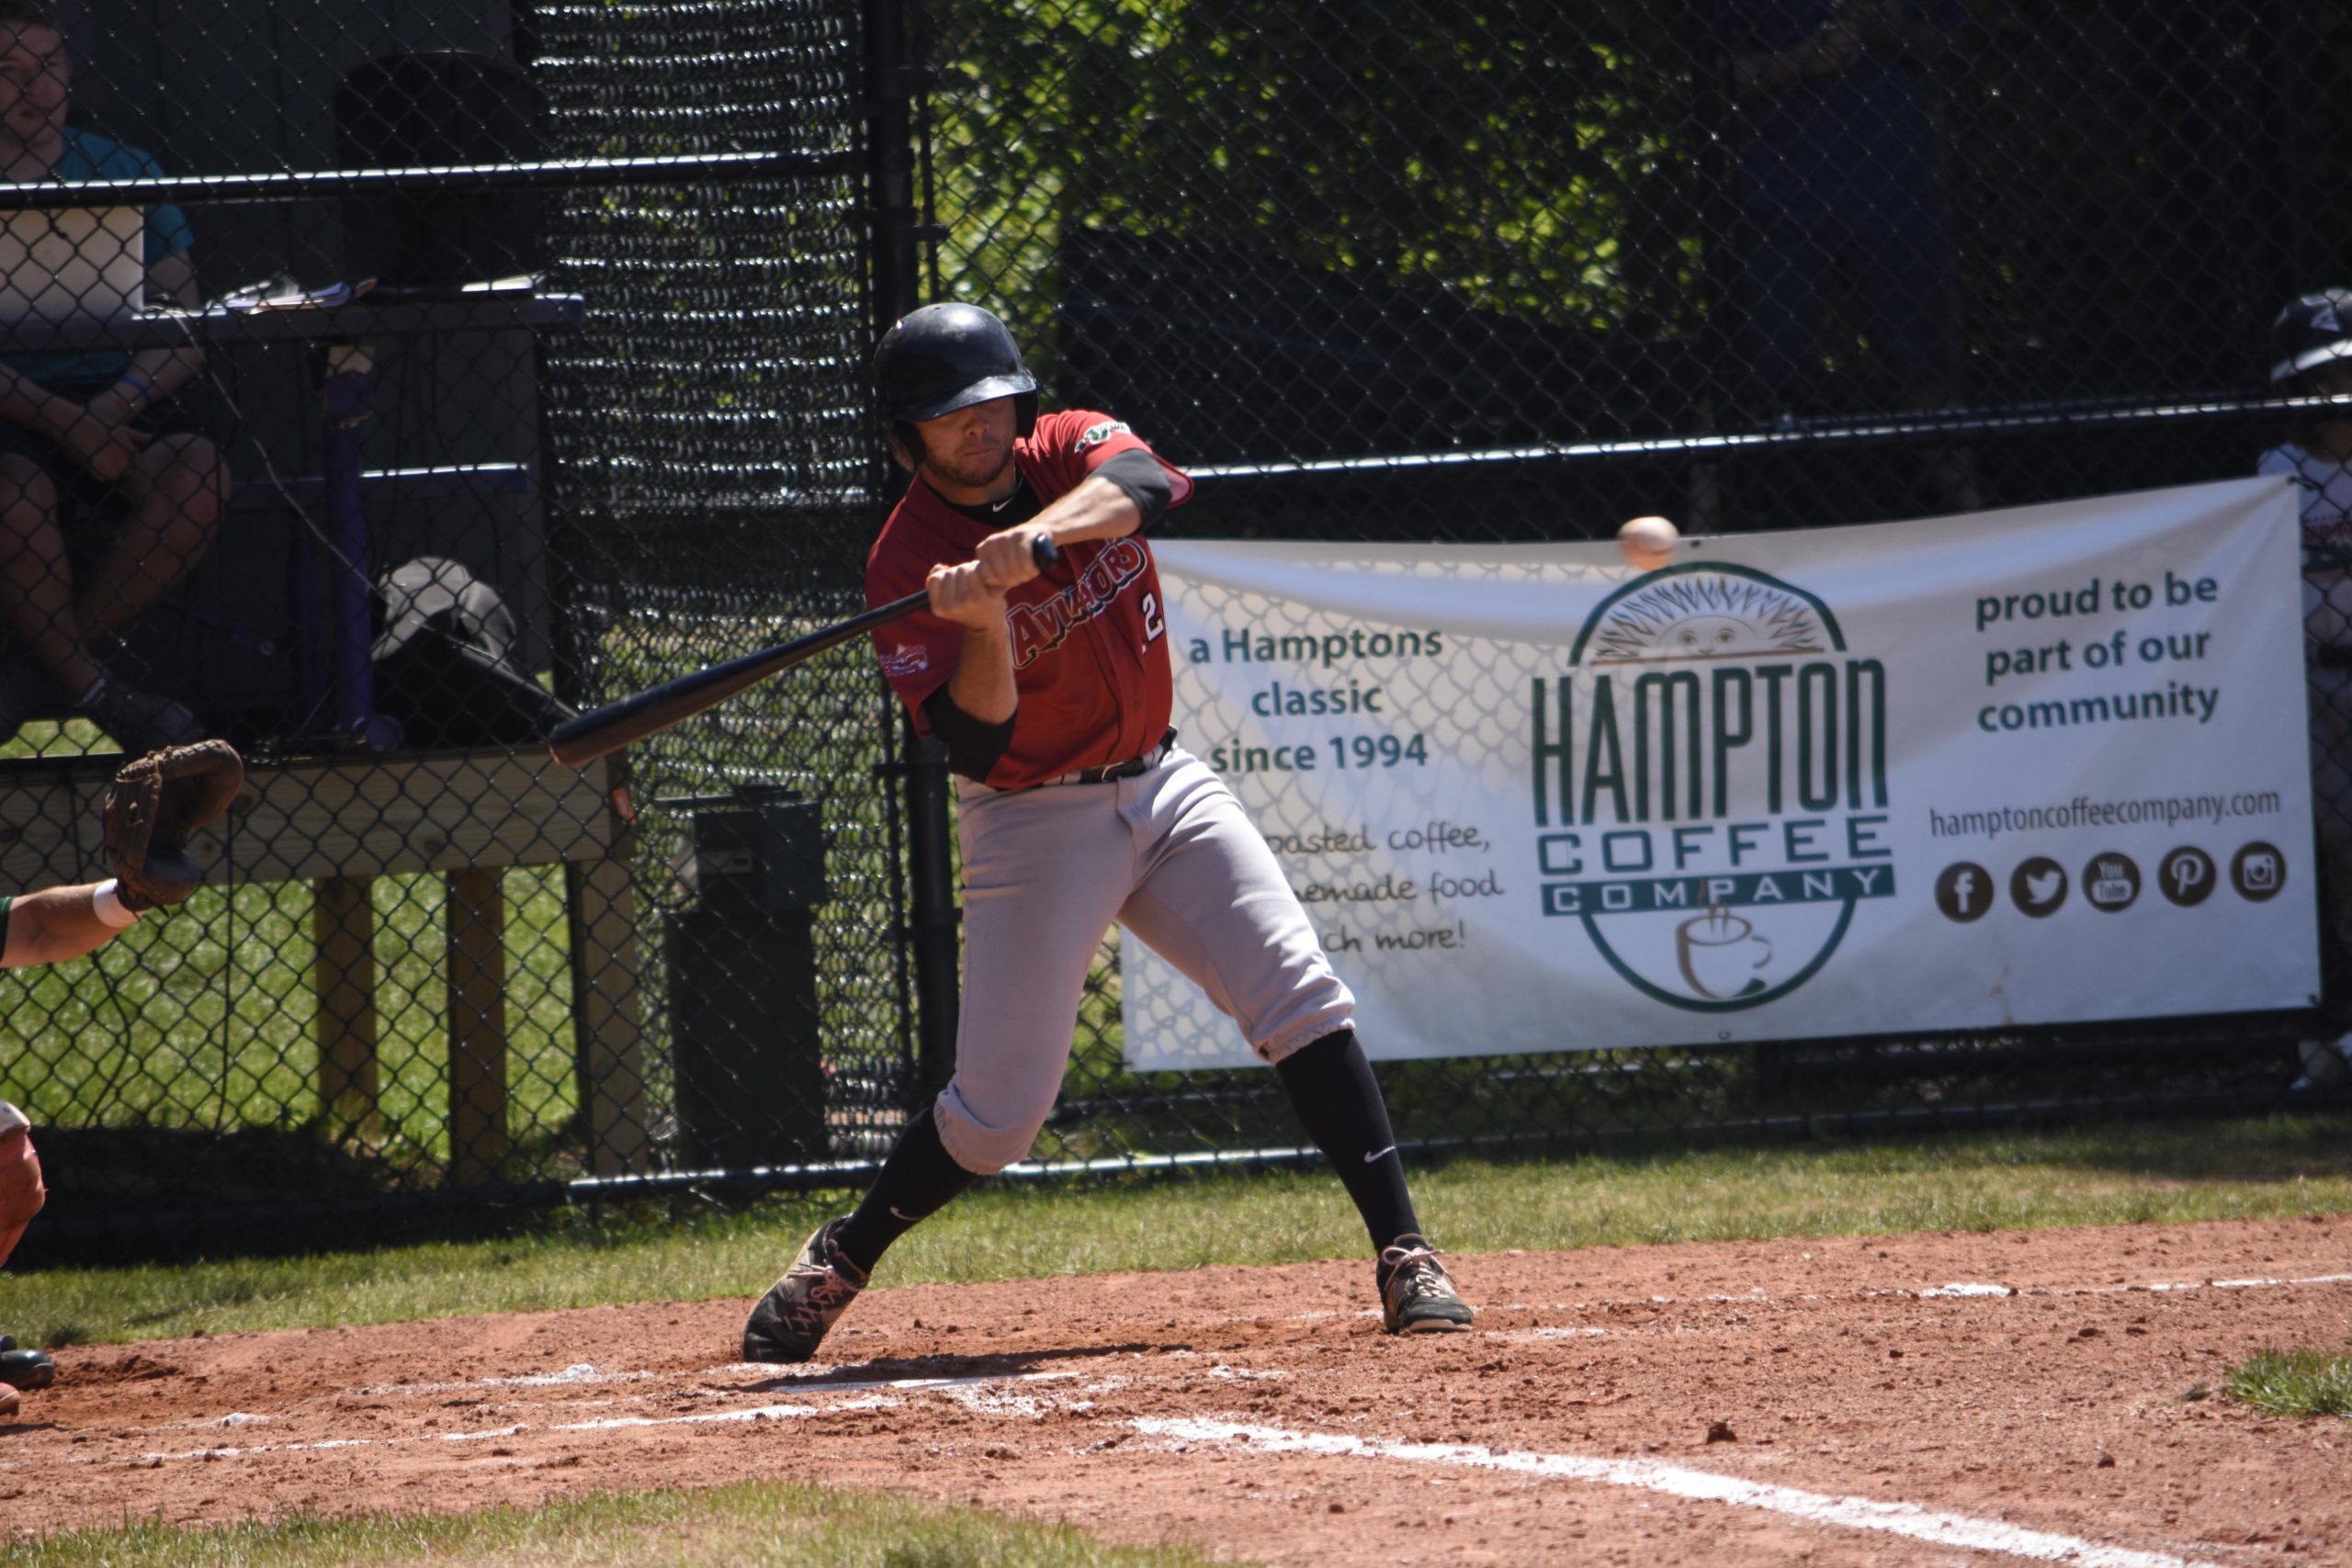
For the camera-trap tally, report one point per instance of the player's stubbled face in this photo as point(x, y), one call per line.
point(33, 75)
point(970, 448)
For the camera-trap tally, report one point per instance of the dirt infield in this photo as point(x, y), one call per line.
point(1931, 1399)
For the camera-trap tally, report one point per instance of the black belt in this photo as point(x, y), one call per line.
point(2326, 656)
point(1109, 772)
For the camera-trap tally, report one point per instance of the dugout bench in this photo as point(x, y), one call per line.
point(336, 823)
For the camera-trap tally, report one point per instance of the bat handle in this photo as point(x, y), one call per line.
point(1045, 552)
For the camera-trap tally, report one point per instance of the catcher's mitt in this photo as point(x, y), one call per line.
point(153, 804)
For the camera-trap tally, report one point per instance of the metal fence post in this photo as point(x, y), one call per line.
point(891, 81)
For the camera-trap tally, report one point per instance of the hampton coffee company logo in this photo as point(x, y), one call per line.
point(1710, 785)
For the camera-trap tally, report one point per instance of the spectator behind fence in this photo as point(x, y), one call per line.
point(1837, 177)
point(2312, 357)
point(101, 426)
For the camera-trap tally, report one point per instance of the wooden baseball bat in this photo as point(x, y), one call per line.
point(606, 729)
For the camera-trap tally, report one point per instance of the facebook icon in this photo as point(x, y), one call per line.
point(1963, 892)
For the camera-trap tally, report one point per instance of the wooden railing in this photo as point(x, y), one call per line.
point(336, 823)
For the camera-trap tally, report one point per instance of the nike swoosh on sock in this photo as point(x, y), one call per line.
point(1377, 1153)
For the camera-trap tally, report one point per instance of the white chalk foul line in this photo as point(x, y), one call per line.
point(1925, 1294)
point(2157, 1288)
point(1649, 1475)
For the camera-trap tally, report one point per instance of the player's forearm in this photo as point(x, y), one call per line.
point(1096, 509)
point(53, 925)
point(982, 685)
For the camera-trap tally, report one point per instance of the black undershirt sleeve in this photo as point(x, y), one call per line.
point(1144, 482)
point(973, 748)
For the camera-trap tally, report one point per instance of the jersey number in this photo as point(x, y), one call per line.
point(1155, 625)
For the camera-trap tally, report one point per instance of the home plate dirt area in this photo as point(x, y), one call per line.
point(2038, 1396)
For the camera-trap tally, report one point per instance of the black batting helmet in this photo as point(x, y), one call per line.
point(2313, 329)
point(945, 357)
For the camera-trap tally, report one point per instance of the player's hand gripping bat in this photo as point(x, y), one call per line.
point(609, 729)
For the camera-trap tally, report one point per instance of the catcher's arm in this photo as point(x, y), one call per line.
point(59, 923)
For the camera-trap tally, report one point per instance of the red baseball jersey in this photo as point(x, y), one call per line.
point(1089, 638)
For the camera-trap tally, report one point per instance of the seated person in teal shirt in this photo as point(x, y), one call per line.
point(81, 426)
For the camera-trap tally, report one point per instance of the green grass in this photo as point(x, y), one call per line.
point(779, 1525)
point(2295, 1382)
point(55, 738)
point(2166, 1172)
point(207, 1020)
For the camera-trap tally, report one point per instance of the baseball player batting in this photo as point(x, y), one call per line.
point(1075, 808)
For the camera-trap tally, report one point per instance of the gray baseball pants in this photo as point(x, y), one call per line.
point(1170, 856)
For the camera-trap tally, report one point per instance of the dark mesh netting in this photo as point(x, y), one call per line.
point(710, 426)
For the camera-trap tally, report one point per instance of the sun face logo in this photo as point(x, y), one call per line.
point(1710, 785)
point(1700, 614)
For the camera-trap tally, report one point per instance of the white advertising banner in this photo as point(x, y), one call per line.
point(2034, 766)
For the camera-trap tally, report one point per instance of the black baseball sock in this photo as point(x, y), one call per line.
point(916, 1182)
point(1332, 1087)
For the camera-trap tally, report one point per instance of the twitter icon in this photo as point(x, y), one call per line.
point(2037, 886)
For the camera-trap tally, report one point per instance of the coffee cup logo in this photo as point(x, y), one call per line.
point(1720, 954)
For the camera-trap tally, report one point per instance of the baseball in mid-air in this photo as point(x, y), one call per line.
point(1648, 541)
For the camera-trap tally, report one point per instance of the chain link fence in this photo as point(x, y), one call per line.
point(1421, 272)
point(383, 386)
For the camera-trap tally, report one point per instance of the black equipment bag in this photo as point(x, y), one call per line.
point(443, 660)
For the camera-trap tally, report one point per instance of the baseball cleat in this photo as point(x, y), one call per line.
point(1416, 1296)
point(790, 1320)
